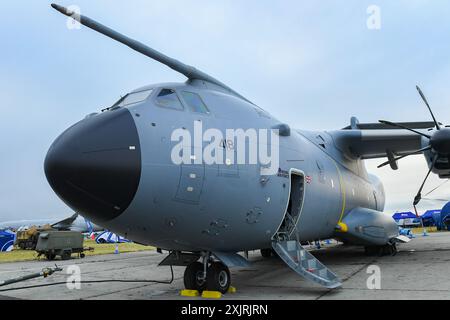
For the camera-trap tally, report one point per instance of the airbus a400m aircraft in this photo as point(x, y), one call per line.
point(116, 168)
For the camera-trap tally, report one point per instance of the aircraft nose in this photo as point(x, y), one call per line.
point(95, 166)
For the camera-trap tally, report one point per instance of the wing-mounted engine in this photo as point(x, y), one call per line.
point(376, 140)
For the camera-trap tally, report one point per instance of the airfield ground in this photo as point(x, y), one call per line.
point(97, 249)
point(419, 271)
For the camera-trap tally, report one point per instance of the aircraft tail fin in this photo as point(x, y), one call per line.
point(66, 223)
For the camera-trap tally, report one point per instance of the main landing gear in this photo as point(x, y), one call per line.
point(389, 249)
point(208, 275)
point(266, 253)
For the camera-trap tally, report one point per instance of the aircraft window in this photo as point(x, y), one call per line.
point(194, 102)
point(168, 98)
point(134, 97)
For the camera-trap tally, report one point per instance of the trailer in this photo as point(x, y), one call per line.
point(27, 239)
point(60, 243)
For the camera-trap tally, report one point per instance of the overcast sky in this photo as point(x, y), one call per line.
point(313, 64)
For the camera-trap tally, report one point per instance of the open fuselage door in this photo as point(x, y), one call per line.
point(286, 241)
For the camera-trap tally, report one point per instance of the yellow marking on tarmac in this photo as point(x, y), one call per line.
point(189, 293)
point(232, 289)
point(211, 295)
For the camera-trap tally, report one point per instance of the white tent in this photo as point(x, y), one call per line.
point(109, 237)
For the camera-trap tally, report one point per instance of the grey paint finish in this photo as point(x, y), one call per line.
point(216, 217)
point(234, 208)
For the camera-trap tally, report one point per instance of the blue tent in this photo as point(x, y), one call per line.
point(431, 218)
point(7, 240)
point(445, 218)
point(406, 219)
point(403, 215)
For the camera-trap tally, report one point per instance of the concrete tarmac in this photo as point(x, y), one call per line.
point(420, 270)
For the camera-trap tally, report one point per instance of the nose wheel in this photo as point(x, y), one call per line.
point(194, 278)
point(218, 277)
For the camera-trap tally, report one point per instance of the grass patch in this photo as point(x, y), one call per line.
point(99, 249)
point(419, 230)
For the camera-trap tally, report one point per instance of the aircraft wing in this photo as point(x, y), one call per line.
point(376, 140)
point(371, 144)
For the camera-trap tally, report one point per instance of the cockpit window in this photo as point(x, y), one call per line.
point(133, 98)
point(168, 98)
point(194, 102)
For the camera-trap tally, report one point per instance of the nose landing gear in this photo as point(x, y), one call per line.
point(194, 278)
point(207, 276)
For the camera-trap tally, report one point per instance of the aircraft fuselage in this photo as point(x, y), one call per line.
point(193, 207)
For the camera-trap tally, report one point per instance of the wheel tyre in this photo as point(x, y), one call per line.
point(370, 251)
point(275, 254)
point(266, 253)
point(218, 277)
point(50, 256)
point(66, 255)
point(82, 255)
point(394, 249)
point(192, 276)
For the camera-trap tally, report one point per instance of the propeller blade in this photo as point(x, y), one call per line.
point(429, 108)
point(406, 155)
point(403, 127)
point(418, 197)
point(440, 200)
point(434, 189)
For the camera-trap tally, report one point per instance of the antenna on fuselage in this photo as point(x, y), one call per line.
point(190, 72)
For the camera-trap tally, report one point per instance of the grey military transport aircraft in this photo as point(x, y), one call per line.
point(118, 169)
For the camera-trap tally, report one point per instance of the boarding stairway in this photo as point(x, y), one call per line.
point(290, 250)
point(304, 263)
